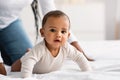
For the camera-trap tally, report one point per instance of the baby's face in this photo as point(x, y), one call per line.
point(56, 31)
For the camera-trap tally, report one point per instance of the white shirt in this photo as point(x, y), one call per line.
point(40, 60)
point(11, 9)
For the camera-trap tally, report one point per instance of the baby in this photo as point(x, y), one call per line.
point(50, 53)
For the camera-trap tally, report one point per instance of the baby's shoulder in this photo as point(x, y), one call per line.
point(40, 45)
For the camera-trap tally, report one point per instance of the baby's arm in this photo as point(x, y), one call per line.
point(2, 69)
point(26, 69)
point(83, 63)
point(78, 57)
point(28, 61)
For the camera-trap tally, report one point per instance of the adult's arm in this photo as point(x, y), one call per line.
point(47, 5)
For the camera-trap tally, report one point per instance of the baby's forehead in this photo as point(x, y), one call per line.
point(63, 19)
point(66, 28)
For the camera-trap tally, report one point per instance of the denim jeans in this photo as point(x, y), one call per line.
point(13, 42)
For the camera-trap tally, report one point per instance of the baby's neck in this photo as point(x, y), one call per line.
point(54, 52)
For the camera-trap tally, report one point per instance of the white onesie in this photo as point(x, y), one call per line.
point(40, 60)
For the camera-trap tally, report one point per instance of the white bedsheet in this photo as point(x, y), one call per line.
point(106, 66)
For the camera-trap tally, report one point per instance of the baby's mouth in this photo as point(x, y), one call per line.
point(57, 40)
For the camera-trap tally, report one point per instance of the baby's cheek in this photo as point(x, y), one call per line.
point(64, 41)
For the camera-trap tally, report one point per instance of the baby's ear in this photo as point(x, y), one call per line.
point(42, 32)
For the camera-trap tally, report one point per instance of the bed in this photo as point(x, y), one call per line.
point(106, 65)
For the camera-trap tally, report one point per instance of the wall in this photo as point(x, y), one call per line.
point(110, 19)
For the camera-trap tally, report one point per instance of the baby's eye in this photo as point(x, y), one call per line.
point(63, 32)
point(52, 30)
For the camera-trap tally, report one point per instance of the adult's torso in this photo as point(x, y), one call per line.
point(10, 10)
